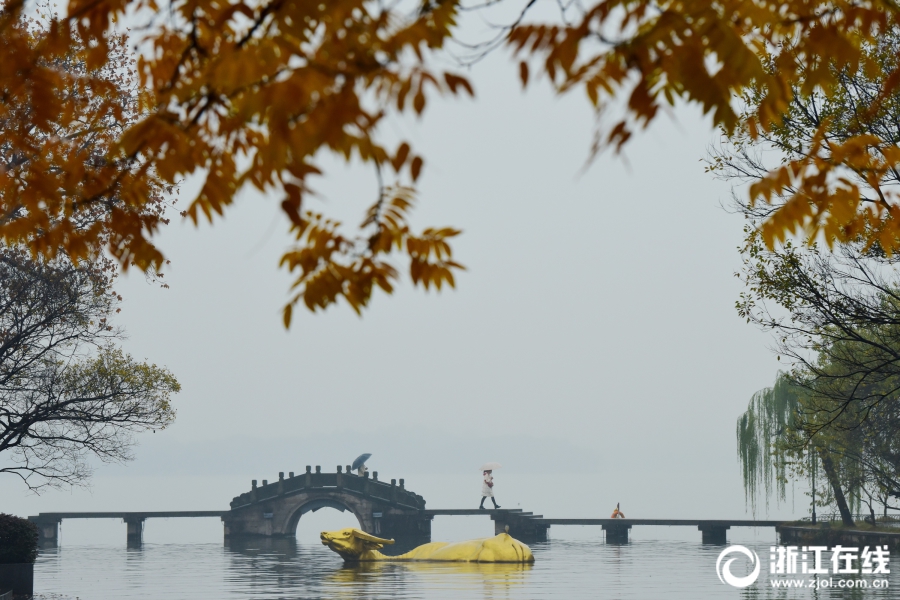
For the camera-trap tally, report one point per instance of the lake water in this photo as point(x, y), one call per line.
point(575, 563)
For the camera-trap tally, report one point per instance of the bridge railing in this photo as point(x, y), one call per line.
point(345, 480)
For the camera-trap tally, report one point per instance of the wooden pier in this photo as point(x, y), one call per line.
point(530, 526)
point(520, 524)
point(48, 523)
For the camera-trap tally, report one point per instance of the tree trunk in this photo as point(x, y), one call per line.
point(839, 498)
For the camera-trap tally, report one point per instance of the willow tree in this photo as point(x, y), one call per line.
point(760, 436)
point(834, 312)
point(836, 318)
point(774, 448)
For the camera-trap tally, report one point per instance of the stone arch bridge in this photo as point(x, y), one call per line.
point(274, 509)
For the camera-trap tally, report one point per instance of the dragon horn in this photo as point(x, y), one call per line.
point(362, 535)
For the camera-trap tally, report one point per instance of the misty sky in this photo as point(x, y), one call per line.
point(592, 343)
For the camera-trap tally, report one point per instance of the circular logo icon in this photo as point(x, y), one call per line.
point(724, 570)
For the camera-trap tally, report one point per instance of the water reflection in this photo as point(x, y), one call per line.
point(284, 564)
point(505, 573)
point(288, 570)
point(410, 579)
point(285, 546)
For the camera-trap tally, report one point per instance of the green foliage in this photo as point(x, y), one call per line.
point(760, 436)
point(67, 391)
point(139, 388)
point(775, 446)
point(18, 540)
point(834, 312)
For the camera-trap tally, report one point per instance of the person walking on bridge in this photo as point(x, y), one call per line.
point(359, 465)
point(487, 487)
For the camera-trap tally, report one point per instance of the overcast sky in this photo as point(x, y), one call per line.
point(594, 331)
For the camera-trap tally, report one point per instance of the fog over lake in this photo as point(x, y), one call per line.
point(592, 345)
point(594, 332)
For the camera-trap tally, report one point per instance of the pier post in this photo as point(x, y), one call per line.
point(524, 529)
point(713, 534)
point(616, 533)
point(48, 531)
point(134, 530)
point(409, 527)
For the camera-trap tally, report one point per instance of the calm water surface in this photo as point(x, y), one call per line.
point(563, 569)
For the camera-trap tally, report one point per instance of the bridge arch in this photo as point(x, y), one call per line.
point(314, 504)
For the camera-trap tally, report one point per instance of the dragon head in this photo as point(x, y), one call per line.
point(351, 543)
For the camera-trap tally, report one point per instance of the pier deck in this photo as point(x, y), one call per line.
point(531, 526)
point(518, 522)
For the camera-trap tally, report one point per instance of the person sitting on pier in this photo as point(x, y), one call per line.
point(617, 514)
point(487, 489)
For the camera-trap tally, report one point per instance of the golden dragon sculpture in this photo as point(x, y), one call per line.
point(354, 545)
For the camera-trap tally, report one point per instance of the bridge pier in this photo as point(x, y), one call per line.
point(401, 525)
point(714, 534)
point(134, 527)
point(48, 531)
point(524, 528)
point(616, 533)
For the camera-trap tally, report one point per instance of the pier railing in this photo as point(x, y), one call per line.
point(880, 520)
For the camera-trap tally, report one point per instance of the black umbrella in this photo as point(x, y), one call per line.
point(360, 461)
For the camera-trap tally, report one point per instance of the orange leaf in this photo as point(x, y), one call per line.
point(416, 168)
point(400, 158)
